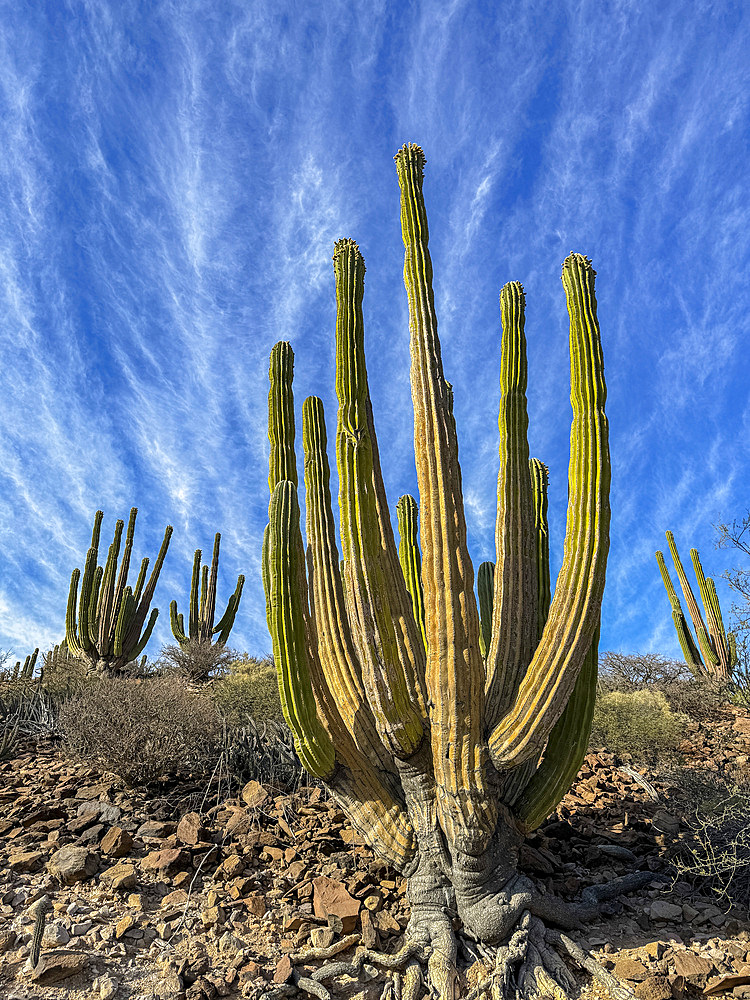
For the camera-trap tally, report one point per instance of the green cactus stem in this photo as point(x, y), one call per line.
point(486, 595)
point(106, 624)
point(714, 653)
point(201, 626)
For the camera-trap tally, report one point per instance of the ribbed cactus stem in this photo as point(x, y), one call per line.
point(539, 483)
point(690, 651)
point(515, 628)
point(29, 665)
point(574, 612)
point(43, 907)
point(281, 461)
point(714, 622)
point(701, 632)
point(455, 670)
point(486, 595)
point(389, 646)
point(407, 515)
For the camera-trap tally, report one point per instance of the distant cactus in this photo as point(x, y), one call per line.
point(42, 909)
point(26, 672)
point(714, 653)
point(201, 626)
point(108, 629)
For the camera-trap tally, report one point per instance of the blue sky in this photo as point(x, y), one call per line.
point(173, 176)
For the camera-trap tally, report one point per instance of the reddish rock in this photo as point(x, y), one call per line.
point(117, 843)
point(631, 969)
point(169, 859)
point(54, 966)
point(256, 904)
point(693, 967)
point(284, 970)
point(332, 897)
point(654, 988)
point(254, 794)
point(190, 830)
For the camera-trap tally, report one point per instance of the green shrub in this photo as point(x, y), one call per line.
point(639, 723)
point(143, 729)
point(249, 691)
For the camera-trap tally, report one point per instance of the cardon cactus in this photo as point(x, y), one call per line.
point(201, 626)
point(108, 627)
point(441, 757)
point(712, 653)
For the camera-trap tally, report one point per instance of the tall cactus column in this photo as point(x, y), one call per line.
point(444, 736)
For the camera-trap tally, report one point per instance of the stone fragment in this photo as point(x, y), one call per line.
point(25, 861)
point(119, 876)
point(660, 909)
point(369, 933)
point(631, 969)
point(124, 924)
point(693, 967)
point(654, 988)
point(73, 864)
point(284, 970)
point(254, 794)
point(166, 860)
point(177, 898)
point(54, 936)
point(54, 966)
point(230, 944)
point(332, 897)
point(321, 937)
point(190, 829)
point(256, 904)
point(117, 843)
point(155, 830)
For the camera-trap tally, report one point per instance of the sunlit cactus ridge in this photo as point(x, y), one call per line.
point(428, 723)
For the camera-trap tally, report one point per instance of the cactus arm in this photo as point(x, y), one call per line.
point(390, 657)
point(514, 635)
point(137, 590)
point(704, 640)
point(408, 555)
point(539, 483)
point(565, 750)
point(85, 618)
point(202, 606)
point(337, 653)
point(29, 664)
point(286, 596)
point(576, 604)
point(131, 638)
point(690, 651)
point(122, 576)
point(71, 637)
point(281, 462)
point(194, 609)
point(124, 617)
point(226, 622)
point(209, 610)
point(177, 623)
point(714, 622)
point(106, 595)
point(486, 595)
point(455, 670)
point(93, 606)
point(135, 651)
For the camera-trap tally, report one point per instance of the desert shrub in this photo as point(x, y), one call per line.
point(634, 671)
point(142, 730)
point(639, 723)
point(198, 661)
point(715, 854)
point(702, 700)
point(249, 691)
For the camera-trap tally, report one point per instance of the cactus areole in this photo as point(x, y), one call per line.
point(445, 737)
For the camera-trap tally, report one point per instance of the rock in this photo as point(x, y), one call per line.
point(231, 867)
point(73, 864)
point(321, 937)
point(332, 897)
point(284, 970)
point(117, 843)
point(655, 949)
point(693, 967)
point(190, 830)
point(631, 969)
point(660, 909)
point(25, 861)
point(105, 986)
point(254, 794)
point(256, 904)
point(654, 988)
point(230, 944)
point(369, 932)
point(166, 860)
point(177, 898)
point(665, 822)
point(125, 924)
point(54, 936)
point(154, 830)
point(119, 876)
point(54, 966)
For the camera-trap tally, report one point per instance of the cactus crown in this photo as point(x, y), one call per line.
point(201, 626)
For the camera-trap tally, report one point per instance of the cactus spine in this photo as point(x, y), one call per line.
point(381, 655)
point(714, 654)
point(108, 629)
point(201, 626)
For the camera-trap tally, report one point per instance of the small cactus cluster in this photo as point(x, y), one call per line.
point(712, 653)
point(201, 626)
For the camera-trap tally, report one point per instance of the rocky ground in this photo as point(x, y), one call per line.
point(193, 892)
